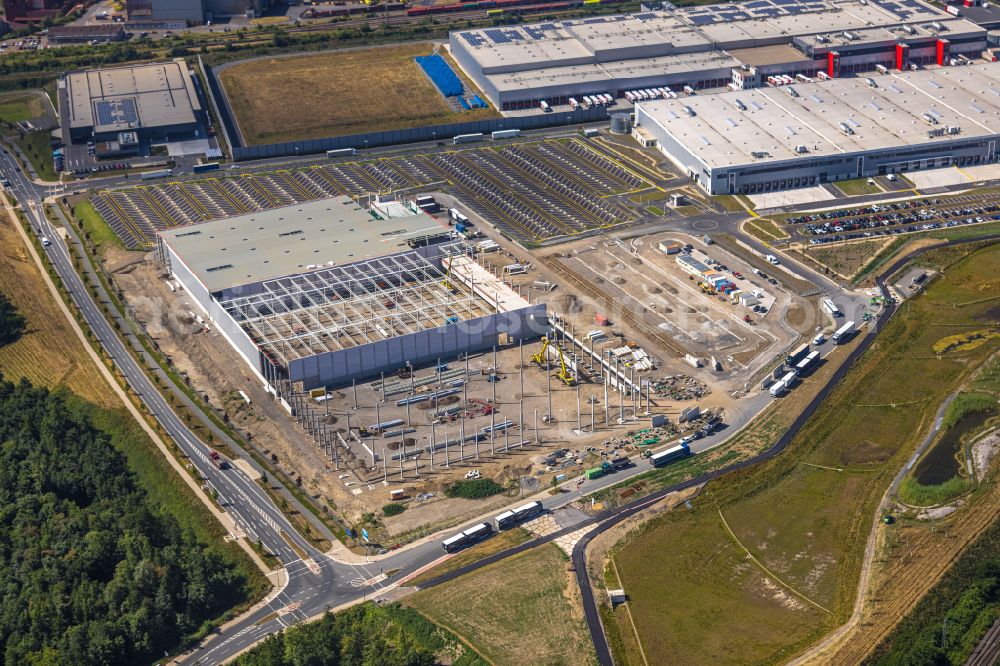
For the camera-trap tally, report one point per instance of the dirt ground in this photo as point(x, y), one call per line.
point(653, 302)
point(215, 370)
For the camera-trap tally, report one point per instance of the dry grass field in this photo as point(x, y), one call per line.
point(333, 94)
point(522, 610)
point(49, 353)
point(846, 259)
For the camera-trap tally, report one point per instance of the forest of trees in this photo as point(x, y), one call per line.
point(365, 635)
point(11, 322)
point(91, 570)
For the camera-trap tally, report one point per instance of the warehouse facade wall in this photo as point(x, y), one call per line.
point(673, 148)
point(445, 342)
point(806, 172)
point(217, 315)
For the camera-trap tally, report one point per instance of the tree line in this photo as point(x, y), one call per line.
point(364, 635)
point(91, 570)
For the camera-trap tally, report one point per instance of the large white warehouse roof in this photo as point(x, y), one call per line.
point(834, 117)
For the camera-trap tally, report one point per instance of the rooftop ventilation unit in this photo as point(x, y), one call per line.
point(953, 129)
point(846, 129)
point(871, 82)
point(689, 111)
point(937, 26)
point(760, 154)
point(937, 131)
point(908, 29)
point(929, 119)
point(800, 149)
point(740, 105)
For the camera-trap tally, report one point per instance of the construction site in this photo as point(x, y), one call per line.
point(389, 360)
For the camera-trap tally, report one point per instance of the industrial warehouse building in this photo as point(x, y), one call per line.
point(707, 47)
point(322, 293)
point(811, 133)
point(155, 101)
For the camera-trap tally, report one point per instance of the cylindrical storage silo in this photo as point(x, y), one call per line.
point(621, 123)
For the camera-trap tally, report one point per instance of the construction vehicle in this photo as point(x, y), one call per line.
point(542, 359)
point(447, 276)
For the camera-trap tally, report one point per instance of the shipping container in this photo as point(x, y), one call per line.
point(777, 388)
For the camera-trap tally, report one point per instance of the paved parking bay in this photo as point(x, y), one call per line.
point(533, 191)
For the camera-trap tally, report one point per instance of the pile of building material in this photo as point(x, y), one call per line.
point(679, 387)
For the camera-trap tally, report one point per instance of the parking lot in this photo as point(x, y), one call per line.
point(542, 191)
point(531, 191)
point(888, 219)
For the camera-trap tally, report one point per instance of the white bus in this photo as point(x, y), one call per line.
point(831, 307)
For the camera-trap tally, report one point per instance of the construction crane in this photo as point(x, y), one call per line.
point(447, 276)
point(542, 359)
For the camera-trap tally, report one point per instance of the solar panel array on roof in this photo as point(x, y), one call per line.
point(755, 10)
point(504, 35)
point(473, 38)
point(116, 111)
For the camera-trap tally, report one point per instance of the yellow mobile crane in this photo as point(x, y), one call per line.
point(541, 358)
point(447, 276)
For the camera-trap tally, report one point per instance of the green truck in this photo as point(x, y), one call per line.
point(594, 473)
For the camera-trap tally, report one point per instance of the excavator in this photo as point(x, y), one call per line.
point(541, 358)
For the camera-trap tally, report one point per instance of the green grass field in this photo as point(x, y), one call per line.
point(805, 516)
point(16, 107)
point(515, 612)
point(338, 93)
point(680, 589)
point(38, 148)
point(855, 187)
point(94, 226)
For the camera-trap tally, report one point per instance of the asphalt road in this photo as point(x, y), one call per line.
point(319, 582)
point(579, 551)
point(313, 585)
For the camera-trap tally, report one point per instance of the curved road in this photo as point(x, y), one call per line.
point(317, 582)
point(579, 551)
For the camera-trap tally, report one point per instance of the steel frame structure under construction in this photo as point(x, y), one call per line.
point(343, 307)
